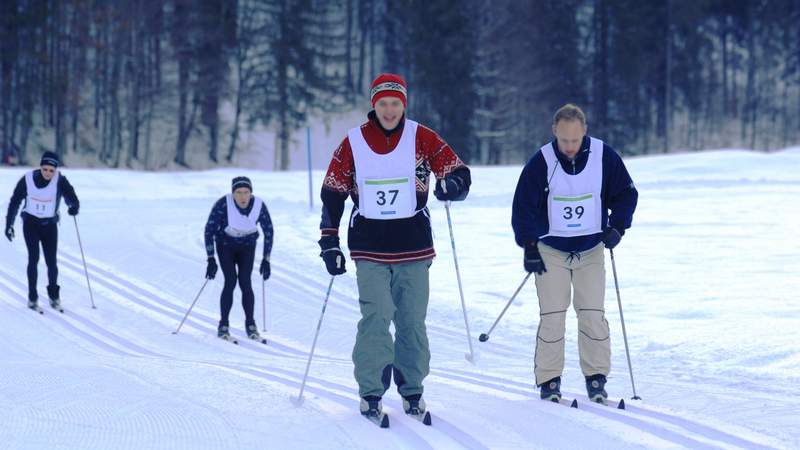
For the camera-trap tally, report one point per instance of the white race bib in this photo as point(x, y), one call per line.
point(240, 225)
point(41, 203)
point(572, 214)
point(386, 182)
point(388, 198)
point(574, 207)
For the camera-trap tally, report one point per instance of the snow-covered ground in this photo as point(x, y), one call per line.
point(708, 279)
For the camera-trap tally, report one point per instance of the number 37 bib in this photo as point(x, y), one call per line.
point(386, 183)
point(388, 198)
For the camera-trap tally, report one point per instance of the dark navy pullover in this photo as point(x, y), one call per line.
point(529, 213)
point(218, 221)
point(64, 189)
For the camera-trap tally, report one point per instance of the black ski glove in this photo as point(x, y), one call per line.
point(451, 188)
point(533, 259)
point(611, 238)
point(73, 210)
point(332, 255)
point(265, 270)
point(211, 269)
point(10, 232)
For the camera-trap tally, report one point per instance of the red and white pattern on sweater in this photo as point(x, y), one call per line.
point(433, 154)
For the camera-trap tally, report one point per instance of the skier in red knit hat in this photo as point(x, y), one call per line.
point(385, 166)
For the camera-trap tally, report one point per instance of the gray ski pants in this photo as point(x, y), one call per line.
point(399, 293)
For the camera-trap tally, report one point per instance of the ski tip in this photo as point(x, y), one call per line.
point(621, 404)
point(427, 419)
point(574, 403)
point(385, 421)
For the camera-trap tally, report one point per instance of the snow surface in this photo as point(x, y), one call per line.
point(708, 280)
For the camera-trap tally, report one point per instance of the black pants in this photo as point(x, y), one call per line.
point(232, 257)
point(47, 234)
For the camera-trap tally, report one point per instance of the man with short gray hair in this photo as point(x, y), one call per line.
point(561, 218)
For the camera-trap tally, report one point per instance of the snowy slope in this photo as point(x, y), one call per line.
point(708, 279)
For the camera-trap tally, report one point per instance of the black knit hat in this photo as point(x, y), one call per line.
point(50, 159)
point(239, 182)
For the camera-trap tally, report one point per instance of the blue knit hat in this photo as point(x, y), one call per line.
point(239, 182)
point(50, 159)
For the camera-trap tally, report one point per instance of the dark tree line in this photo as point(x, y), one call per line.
point(149, 83)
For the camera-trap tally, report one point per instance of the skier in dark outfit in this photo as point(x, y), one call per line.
point(42, 190)
point(233, 225)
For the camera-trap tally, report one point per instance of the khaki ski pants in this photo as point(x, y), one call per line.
point(579, 277)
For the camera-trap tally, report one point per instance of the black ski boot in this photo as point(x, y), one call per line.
point(551, 390)
point(53, 293)
point(223, 332)
point(372, 409)
point(595, 388)
point(33, 302)
point(252, 331)
point(415, 407)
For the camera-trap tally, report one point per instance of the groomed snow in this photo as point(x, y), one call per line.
point(708, 280)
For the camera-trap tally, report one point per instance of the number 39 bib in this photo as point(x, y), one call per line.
point(574, 207)
point(572, 214)
point(386, 183)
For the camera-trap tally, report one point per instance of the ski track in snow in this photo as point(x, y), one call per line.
point(657, 427)
point(499, 409)
point(131, 349)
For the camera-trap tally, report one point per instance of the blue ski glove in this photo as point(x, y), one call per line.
point(73, 210)
point(533, 259)
point(611, 238)
point(332, 255)
point(451, 188)
point(211, 269)
point(265, 270)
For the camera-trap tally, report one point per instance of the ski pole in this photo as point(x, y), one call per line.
point(190, 307)
point(85, 269)
point(299, 400)
point(622, 319)
point(485, 336)
point(471, 355)
point(263, 305)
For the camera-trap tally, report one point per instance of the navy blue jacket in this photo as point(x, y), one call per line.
point(218, 221)
point(529, 214)
point(64, 189)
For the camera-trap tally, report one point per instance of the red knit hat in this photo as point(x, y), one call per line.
point(388, 85)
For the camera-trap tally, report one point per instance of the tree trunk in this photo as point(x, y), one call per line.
point(601, 65)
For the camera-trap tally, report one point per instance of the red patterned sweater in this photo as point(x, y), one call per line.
point(396, 240)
